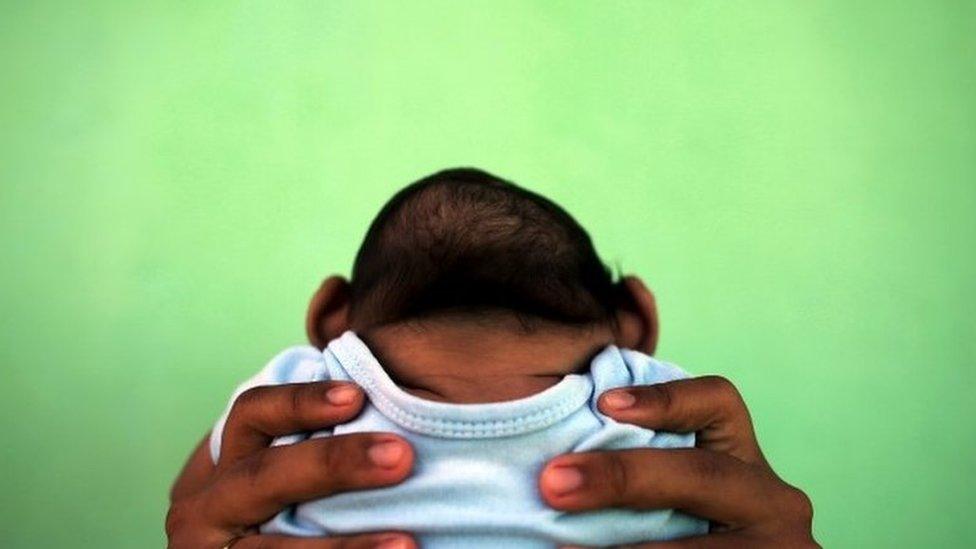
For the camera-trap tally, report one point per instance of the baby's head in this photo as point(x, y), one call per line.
point(466, 246)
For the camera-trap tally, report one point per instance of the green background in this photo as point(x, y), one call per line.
point(796, 181)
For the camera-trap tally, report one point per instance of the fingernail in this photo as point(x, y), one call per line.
point(342, 395)
point(619, 400)
point(396, 542)
point(387, 454)
point(563, 480)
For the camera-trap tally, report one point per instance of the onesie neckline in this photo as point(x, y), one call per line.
point(451, 420)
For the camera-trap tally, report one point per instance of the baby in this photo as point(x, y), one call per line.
point(482, 326)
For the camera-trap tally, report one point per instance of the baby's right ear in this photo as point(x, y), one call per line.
point(638, 326)
point(328, 312)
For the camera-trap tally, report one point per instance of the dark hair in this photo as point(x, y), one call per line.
point(465, 241)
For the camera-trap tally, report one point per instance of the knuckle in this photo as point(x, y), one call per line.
point(299, 396)
point(362, 541)
point(661, 394)
point(253, 542)
point(176, 519)
point(309, 398)
point(616, 476)
point(254, 468)
point(329, 454)
point(347, 543)
point(800, 505)
point(245, 403)
point(710, 469)
point(723, 389)
point(799, 539)
point(250, 397)
point(333, 460)
point(719, 384)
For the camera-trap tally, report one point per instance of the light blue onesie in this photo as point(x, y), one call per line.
point(475, 477)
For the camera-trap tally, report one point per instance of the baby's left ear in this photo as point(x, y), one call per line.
point(638, 326)
point(328, 312)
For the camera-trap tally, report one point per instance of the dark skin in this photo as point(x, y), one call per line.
point(725, 478)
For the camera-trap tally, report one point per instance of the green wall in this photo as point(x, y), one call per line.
point(794, 179)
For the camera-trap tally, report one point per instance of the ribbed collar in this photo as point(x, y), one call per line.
point(447, 420)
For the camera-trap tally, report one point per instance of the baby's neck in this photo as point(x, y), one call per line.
point(467, 362)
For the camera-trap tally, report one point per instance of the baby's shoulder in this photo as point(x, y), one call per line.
point(298, 364)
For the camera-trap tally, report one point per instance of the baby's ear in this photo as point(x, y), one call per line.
point(328, 312)
point(638, 326)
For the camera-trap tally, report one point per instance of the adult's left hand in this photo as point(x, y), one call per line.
point(725, 479)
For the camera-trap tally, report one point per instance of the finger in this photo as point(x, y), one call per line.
point(262, 413)
point(196, 472)
point(256, 487)
point(710, 406)
point(718, 540)
point(367, 541)
point(700, 482)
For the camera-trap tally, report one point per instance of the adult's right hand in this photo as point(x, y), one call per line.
point(215, 507)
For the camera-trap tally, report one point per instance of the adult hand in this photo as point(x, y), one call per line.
point(214, 507)
point(724, 479)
